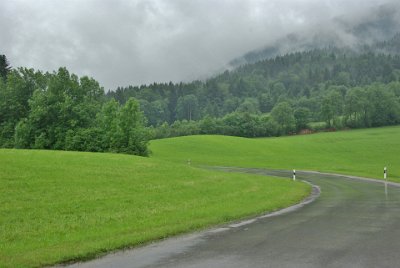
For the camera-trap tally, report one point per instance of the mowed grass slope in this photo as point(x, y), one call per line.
point(358, 152)
point(60, 206)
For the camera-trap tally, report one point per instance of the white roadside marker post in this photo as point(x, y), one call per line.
point(386, 191)
point(294, 174)
point(189, 162)
point(385, 177)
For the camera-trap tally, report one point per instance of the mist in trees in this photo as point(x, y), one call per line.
point(338, 87)
point(313, 90)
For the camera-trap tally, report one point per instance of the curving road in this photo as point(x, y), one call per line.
point(353, 223)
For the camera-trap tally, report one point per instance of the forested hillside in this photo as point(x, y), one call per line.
point(327, 88)
point(341, 87)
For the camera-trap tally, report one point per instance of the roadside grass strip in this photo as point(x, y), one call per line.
point(68, 206)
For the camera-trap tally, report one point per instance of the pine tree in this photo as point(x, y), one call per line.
point(5, 67)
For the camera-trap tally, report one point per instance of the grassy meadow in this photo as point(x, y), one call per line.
point(361, 152)
point(61, 206)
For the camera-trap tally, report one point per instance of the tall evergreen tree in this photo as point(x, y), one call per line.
point(5, 67)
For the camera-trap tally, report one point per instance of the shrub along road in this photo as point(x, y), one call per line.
point(353, 223)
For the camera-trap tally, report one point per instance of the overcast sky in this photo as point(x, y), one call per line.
point(123, 42)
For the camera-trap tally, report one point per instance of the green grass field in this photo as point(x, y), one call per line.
point(357, 152)
point(61, 206)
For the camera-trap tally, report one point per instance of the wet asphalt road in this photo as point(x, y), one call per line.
point(352, 223)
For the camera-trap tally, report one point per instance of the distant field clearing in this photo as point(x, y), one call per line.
point(357, 152)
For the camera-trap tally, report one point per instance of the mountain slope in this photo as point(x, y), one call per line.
point(372, 27)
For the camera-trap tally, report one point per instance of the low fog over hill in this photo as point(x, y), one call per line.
point(353, 30)
point(143, 41)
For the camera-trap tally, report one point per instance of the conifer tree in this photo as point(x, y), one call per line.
point(5, 67)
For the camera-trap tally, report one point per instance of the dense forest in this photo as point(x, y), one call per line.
point(340, 87)
point(328, 88)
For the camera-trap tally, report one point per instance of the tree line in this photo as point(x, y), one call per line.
point(369, 106)
point(61, 111)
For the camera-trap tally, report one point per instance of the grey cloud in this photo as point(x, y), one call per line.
point(134, 42)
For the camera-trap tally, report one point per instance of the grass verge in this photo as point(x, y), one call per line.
point(62, 206)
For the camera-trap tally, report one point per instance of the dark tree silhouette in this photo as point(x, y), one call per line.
point(5, 67)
